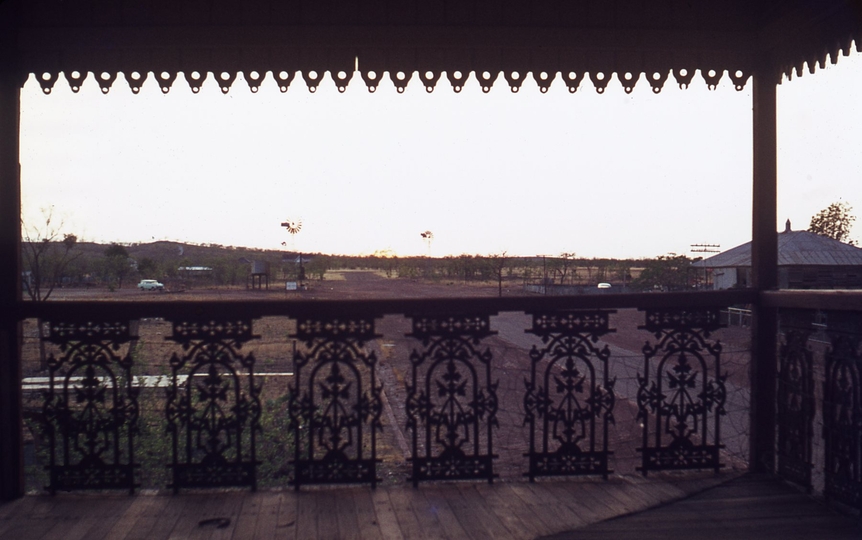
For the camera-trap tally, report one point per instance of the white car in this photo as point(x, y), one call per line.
point(150, 285)
point(604, 285)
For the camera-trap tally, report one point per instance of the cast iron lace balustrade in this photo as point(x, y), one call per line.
point(677, 398)
point(213, 405)
point(795, 398)
point(335, 414)
point(574, 393)
point(453, 404)
point(91, 408)
point(842, 410)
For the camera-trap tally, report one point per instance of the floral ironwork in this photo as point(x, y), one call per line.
point(335, 413)
point(571, 395)
point(91, 408)
point(679, 401)
point(452, 406)
point(213, 406)
point(842, 410)
point(795, 403)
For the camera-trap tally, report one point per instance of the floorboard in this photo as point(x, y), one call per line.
point(740, 508)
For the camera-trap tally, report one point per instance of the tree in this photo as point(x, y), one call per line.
point(497, 264)
point(835, 222)
point(45, 257)
point(118, 262)
point(665, 272)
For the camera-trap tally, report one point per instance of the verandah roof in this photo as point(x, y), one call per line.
point(661, 39)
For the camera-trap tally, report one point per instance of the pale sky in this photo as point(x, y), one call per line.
point(611, 175)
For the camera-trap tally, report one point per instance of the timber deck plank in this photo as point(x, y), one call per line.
point(744, 508)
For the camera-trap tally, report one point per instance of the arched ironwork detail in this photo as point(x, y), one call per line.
point(681, 393)
point(451, 401)
point(569, 399)
point(213, 405)
point(90, 408)
point(795, 398)
point(842, 410)
point(335, 411)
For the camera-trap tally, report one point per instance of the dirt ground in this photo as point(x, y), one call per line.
point(510, 369)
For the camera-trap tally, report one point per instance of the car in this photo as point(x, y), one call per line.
point(604, 285)
point(150, 285)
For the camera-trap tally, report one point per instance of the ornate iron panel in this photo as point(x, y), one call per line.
point(570, 402)
point(335, 409)
point(451, 401)
point(842, 410)
point(91, 407)
point(681, 393)
point(795, 398)
point(213, 406)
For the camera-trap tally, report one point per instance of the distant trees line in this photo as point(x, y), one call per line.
point(75, 263)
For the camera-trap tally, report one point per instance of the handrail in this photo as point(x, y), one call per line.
point(839, 300)
point(380, 307)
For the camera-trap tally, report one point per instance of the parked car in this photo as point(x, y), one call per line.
point(604, 285)
point(150, 285)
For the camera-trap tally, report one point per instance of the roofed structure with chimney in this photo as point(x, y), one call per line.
point(806, 260)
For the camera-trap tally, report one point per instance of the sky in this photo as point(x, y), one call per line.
point(611, 175)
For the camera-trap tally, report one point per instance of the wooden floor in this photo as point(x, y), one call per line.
point(748, 508)
point(473, 511)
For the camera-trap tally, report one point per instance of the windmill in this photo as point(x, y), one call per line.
point(293, 227)
point(427, 236)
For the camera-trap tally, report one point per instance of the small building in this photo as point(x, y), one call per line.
point(805, 261)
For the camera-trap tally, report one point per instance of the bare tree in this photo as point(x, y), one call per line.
point(566, 264)
point(497, 263)
point(46, 253)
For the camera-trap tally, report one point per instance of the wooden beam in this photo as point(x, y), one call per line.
point(764, 262)
point(11, 455)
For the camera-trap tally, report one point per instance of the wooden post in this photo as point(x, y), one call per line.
point(11, 455)
point(764, 270)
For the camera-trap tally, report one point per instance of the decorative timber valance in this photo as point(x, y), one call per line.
point(552, 41)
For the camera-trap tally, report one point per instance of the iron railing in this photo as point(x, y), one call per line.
point(569, 391)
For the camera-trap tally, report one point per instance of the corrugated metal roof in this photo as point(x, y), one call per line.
point(795, 248)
